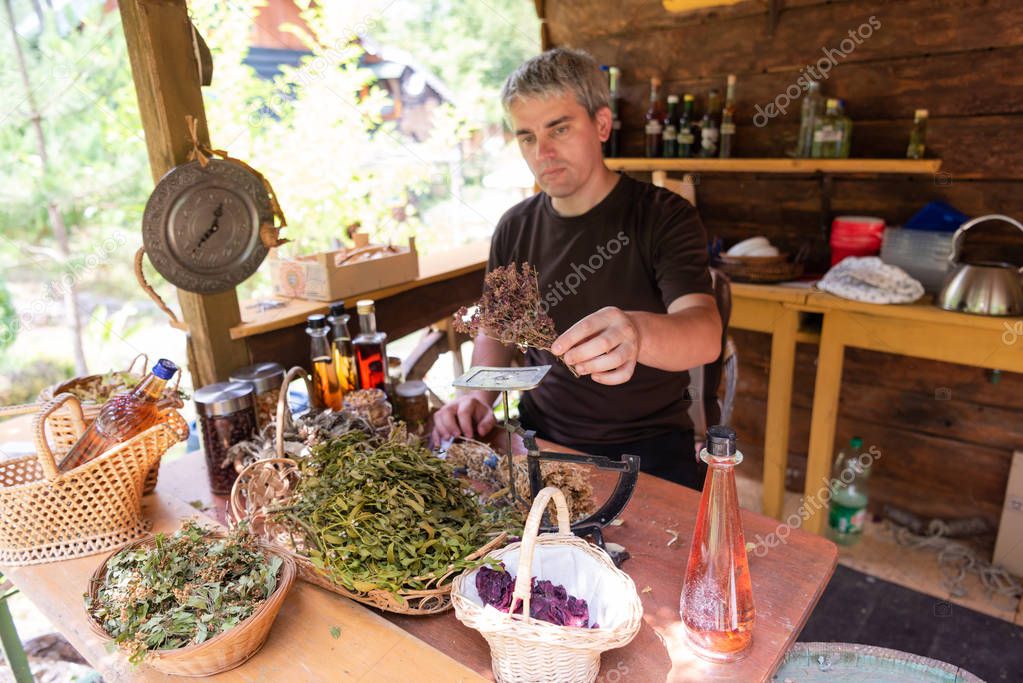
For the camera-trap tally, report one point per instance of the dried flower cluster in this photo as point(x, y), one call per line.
point(510, 310)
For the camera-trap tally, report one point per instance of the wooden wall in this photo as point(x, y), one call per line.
point(960, 59)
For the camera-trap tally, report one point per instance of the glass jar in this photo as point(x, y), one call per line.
point(413, 405)
point(266, 380)
point(226, 415)
point(371, 404)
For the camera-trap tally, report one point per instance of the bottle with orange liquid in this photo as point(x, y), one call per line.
point(326, 387)
point(717, 595)
point(122, 417)
point(370, 348)
point(343, 352)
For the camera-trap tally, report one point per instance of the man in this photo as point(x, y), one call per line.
point(622, 271)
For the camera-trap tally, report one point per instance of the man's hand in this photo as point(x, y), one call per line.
point(604, 345)
point(469, 415)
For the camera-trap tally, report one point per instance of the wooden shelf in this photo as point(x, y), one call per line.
point(837, 166)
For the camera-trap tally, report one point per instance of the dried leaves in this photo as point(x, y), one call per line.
point(383, 514)
point(510, 310)
point(186, 589)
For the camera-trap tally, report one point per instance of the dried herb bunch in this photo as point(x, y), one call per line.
point(382, 513)
point(183, 590)
point(510, 310)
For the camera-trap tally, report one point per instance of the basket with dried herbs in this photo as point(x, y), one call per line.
point(381, 520)
point(196, 602)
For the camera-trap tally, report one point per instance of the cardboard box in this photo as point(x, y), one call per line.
point(329, 276)
point(1009, 544)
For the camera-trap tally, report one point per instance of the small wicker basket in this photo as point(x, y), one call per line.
point(47, 515)
point(62, 426)
point(266, 484)
point(762, 269)
point(524, 649)
point(225, 651)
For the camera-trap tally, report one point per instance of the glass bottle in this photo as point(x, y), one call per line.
point(846, 124)
point(727, 122)
point(685, 128)
point(849, 494)
point(829, 133)
point(654, 120)
point(370, 349)
point(717, 595)
point(326, 387)
point(669, 147)
point(343, 352)
point(918, 136)
point(710, 131)
point(811, 109)
point(122, 417)
point(612, 146)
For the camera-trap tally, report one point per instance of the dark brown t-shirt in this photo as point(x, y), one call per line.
point(639, 249)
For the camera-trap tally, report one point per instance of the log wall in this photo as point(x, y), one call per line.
point(949, 430)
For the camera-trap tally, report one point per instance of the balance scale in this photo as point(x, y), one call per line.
point(505, 380)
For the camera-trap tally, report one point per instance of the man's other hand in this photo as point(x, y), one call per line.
point(467, 415)
point(603, 345)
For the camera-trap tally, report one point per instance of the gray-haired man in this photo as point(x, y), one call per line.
point(623, 270)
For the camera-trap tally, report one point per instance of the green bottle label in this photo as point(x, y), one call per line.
point(846, 520)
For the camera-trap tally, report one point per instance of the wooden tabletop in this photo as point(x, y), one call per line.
point(432, 268)
point(787, 582)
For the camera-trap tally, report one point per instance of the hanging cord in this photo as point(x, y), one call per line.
point(268, 233)
point(148, 289)
point(957, 560)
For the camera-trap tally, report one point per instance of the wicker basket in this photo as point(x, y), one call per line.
point(61, 425)
point(47, 515)
point(763, 269)
point(268, 483)
point(524, 649)
point(225, 651)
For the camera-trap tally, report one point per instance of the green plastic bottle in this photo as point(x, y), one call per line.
point(849, 494)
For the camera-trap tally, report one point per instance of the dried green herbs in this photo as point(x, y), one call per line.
point(100, 388)
point(184, 590)
point(376, 513)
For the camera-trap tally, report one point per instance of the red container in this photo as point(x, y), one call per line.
point(855, 236)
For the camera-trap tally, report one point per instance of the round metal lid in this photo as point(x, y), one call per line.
point(411, 389)
point(223, 398)
point(262, 376)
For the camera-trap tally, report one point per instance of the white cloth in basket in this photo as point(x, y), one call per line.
point(870, 280)
point(581, 575)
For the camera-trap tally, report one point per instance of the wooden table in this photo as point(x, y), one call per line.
point(919, 330)
point(446, 281)
point(787, 583)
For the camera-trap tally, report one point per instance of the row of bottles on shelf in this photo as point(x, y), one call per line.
point(825, 132)
point(675, 132)
point(342, 364)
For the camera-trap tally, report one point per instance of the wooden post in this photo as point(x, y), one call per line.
point(166, 74)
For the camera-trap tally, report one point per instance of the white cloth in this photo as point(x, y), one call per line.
point(871, 280)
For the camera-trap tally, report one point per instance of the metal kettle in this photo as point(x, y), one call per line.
point(986, 288)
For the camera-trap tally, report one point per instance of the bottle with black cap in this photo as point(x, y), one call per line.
point(341, 345)
point(326, 387)
point(717, 595)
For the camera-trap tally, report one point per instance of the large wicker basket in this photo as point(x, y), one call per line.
point(762, 269)
point(266, 484)
point(524, 649)
point(47, 515)
point(225, 651)
point(62, 427)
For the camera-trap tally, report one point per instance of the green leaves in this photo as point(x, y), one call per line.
point(185, 589)
point(383, 514)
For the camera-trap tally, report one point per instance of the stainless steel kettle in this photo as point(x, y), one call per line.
point(986, 288)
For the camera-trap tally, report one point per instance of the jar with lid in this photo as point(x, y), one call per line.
point(266, 380)
point(227, 415)
point(413, 405)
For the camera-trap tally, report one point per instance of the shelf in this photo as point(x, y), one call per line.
point(837, 166)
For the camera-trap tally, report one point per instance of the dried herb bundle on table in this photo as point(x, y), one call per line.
point(184, 590)
point(385, 514)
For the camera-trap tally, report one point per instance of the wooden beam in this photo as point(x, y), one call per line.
point(163, 64)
